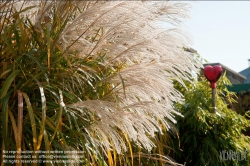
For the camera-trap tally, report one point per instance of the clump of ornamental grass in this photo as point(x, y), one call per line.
point(90, 76)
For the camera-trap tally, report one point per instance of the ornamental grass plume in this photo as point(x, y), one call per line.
point(94, 76)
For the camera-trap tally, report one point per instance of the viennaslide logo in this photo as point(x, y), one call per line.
point(234, 155)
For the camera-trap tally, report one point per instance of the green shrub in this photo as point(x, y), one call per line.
point(204, 135)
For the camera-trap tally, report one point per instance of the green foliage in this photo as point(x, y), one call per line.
point(204, 135)
point(243, 104)
point(242, 107)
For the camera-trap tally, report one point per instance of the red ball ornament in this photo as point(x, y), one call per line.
point(213, 74)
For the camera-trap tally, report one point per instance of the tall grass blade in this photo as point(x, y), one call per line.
point(20, 120)
point(17, 139)
point(47, 147)
point(48, 27)
point(4, 73)
point(59, 120)
point(42, 123)
point(29, 54)
point(123, 84)
point(7, 84)
point(130, 148)
point(110, 158)
point(32, 119)
point(14, 126)
point(5, 122)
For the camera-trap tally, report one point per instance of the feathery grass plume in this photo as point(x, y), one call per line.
point(110, 63)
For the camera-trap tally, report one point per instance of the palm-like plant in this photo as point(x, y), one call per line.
point(91, 76)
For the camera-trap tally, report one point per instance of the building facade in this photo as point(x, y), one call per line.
point(246, 73)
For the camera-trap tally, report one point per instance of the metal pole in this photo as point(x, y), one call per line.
point(214, 99)
point(214, 106)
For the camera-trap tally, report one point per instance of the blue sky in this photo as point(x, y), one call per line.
point(220, 31)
